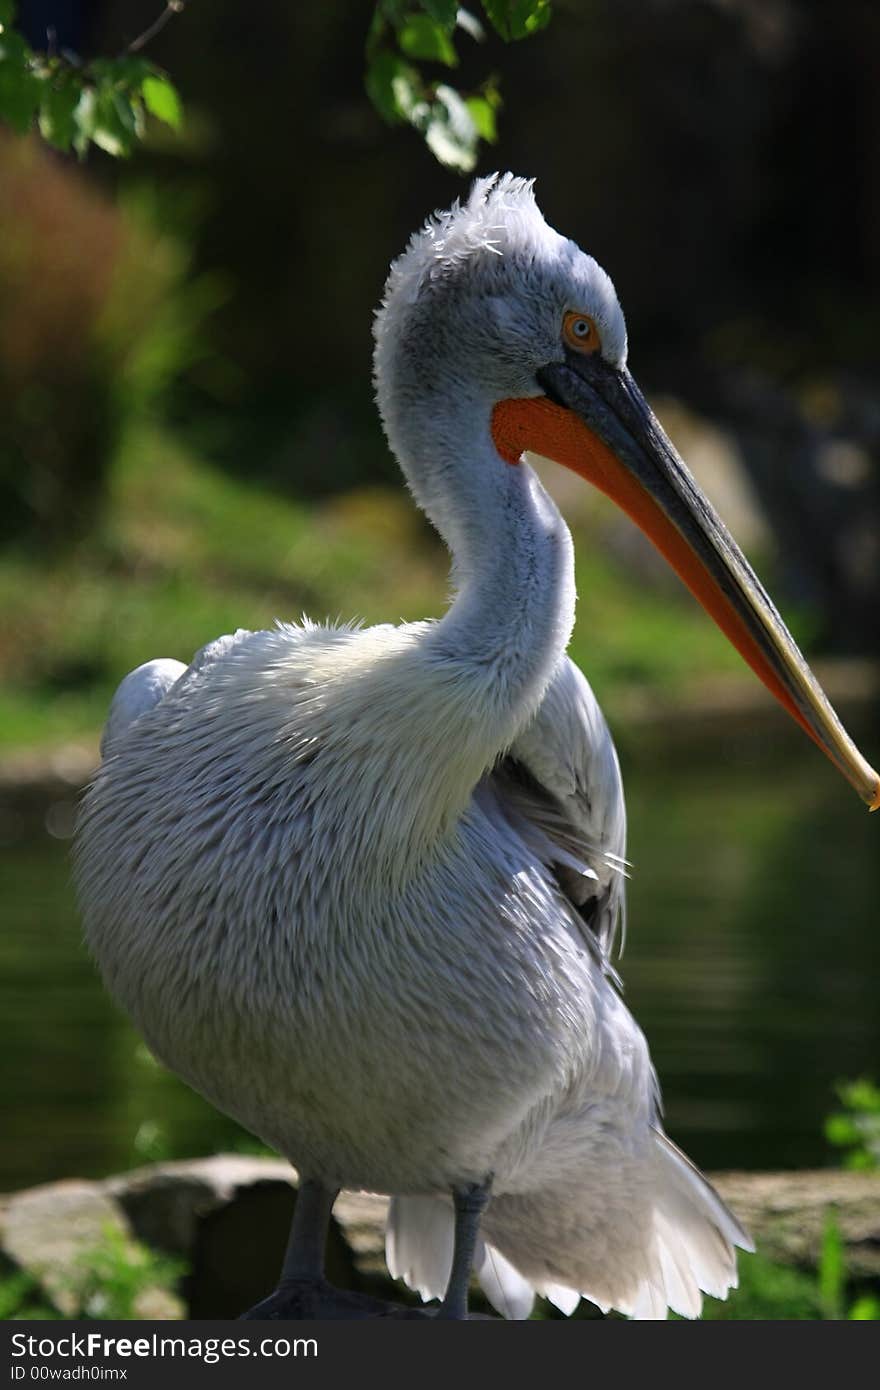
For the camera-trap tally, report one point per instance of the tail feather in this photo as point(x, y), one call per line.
point(696, 1233)
point(670, 1243)
point(419, 1240)
point(566, 1300)
point(651, 1303)
point(688, 1179)
point(681, 1284)
point(507, 1290)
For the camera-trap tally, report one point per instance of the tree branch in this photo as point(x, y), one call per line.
point(172, 8)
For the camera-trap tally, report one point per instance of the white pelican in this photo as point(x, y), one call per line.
point(359, 887)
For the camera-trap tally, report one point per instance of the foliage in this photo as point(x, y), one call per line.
point(98, 316)
point(771, 1292)
point(406, 33)
point(114, 1278)
point(856, 1128)
point(74, 104)
point(105, 101)
point(22, 1297)
point(831, 1281)
point(831, 1276)
point(767, 1292)
point(117, 1278)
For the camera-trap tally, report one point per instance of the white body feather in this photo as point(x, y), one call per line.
point(358, 887)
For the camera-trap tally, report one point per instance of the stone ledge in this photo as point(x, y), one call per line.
point(228, 1218)
point(787, 1212)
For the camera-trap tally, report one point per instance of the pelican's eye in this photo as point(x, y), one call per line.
point(580, 332)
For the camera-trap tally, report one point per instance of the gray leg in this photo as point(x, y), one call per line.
point(470, 1203)
point(304, 1257)
point(303, 1292)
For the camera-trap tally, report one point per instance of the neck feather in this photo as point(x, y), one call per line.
point(512, 569)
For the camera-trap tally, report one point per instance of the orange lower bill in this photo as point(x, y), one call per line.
point(541, 426)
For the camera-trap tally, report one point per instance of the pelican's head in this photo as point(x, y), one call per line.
point(492, 322)
point(475, 303)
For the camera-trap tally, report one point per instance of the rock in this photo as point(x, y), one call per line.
point(228, 1217)
point(46, 1230)
point(787, 1214)
point(238, 1211)
point(165, 1202)
point(361, 1219)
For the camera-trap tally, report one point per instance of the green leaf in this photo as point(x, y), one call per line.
point(20, 86)
point(58, 124)
point(115, 125)
point(861, 1094)
point(84, 120)
point(130, 71)
point(482, 114)
point(13, 48)
point(471, 25)
point(102, 71)
point(162, 101)
point(424, 38)
point(450, 131)
point(840, 1130)
point(517, 19)
point(444, 11)
point(390, 79)
point(7, 12)
point(832, 1272)
point(859, 1162)
point(865, 1309)
point(390, 11)
point(409, 96)
point(130, 112)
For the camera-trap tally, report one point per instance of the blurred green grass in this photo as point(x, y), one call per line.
point(183, 552)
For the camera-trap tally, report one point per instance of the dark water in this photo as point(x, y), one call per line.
point(753, 964)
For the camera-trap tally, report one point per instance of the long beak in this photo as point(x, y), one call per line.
point(595, 420)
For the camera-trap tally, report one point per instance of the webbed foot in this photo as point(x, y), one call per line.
point(299, 1300)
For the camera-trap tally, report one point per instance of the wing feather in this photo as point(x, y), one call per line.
point(561, 782)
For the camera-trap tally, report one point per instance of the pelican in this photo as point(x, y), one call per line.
point(360, 887)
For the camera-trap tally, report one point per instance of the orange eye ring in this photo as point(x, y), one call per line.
point(580, 332)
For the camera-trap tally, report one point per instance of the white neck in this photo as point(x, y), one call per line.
point(513, 571)
point(444, 700)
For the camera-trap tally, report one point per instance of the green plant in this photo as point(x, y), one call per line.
point(831, 1281)
point(98, 314)
point(405, 34)
point(831, 1274)
point(856, 1128)
point(865, 1309)
point(768, 1292)
point(75, 104)
point(114, 1278)
point(22, 1297)
point(105, 101)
